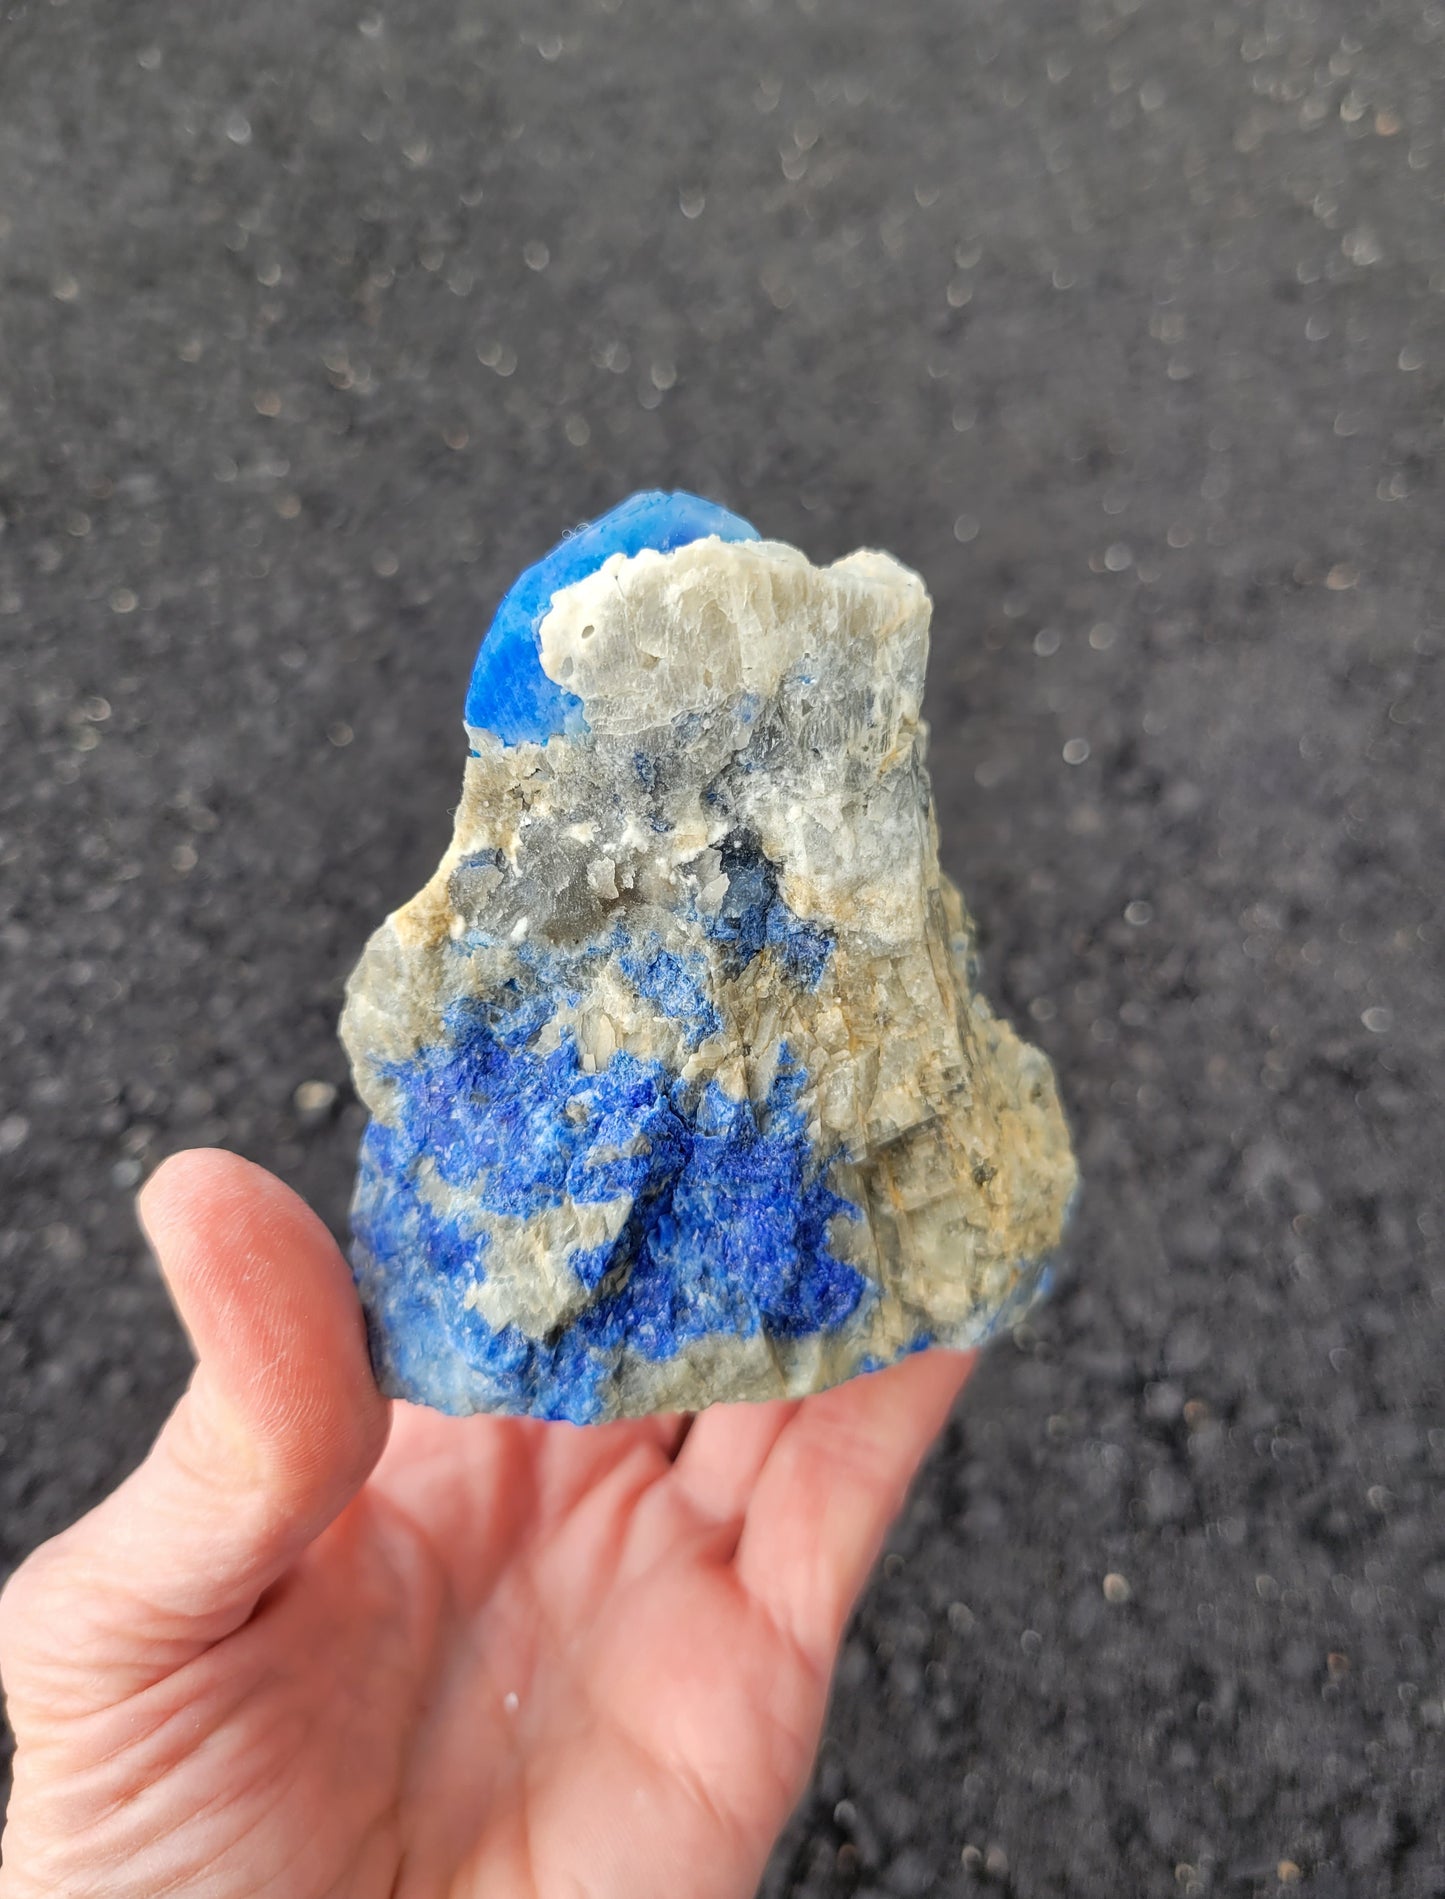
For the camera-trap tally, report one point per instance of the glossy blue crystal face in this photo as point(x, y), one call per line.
point(510, 695)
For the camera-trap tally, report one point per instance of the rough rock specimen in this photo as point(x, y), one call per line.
point(681, 1089)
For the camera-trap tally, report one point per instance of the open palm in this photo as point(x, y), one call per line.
point(294, 1655)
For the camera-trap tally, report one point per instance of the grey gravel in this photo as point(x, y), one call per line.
point(1124, 322)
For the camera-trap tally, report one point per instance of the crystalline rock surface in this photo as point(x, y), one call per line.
point(681, 1090)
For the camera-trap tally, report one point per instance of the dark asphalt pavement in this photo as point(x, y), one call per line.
point(1122, 321)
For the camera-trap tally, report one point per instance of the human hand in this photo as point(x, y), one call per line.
point(290, 1658)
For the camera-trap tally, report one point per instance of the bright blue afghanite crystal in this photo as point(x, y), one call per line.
point(510, 695)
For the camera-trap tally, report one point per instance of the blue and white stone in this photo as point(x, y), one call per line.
point(681, 1090)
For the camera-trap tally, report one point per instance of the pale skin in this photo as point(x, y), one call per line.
point(319, 1644)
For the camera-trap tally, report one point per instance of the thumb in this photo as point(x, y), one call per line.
point(278, 1429)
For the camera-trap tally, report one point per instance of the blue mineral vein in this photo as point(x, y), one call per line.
point(510, 695)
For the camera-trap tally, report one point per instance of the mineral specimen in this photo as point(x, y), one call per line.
point(681, 1089)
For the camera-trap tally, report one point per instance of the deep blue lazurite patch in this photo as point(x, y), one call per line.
point(728, 1228)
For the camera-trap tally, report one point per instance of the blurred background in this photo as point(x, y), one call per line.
point(1124, 322)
